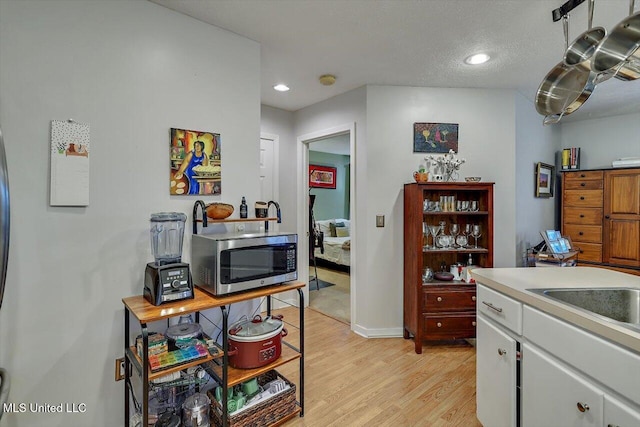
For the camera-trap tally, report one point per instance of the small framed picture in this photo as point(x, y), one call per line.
point(545, 180)
point(322, 176)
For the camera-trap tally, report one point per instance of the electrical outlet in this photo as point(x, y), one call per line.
point(239, 227)
point(379, 220)
point(120, 369)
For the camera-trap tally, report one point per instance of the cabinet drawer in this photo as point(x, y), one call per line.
point(500, 308)
point(584, 233)
point(584, 184)
point(589, 198)
point(588, 216)
point(582, 175)
point(449, 326)
point(443, 300)
point(588, 251)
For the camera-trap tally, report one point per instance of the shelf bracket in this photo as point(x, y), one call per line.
point(563, 10)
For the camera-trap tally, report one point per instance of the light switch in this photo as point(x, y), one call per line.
point(379, 220)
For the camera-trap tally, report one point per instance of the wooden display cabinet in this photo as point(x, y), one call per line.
point(443, 310)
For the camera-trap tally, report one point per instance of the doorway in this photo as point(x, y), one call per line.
point(331, 282)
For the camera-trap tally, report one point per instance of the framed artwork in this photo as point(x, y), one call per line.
point(545, 180)
point(195, 163)
point(322, 176)
point(435, 137)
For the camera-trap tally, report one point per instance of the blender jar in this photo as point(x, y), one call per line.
point(167, 231)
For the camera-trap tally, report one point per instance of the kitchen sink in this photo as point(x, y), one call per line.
point(619, 305)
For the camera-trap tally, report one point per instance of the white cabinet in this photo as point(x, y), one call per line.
point(617, 414)
point(554, 396)
point(496, 363)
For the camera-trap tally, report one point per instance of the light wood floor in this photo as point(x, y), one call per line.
point(354, 381)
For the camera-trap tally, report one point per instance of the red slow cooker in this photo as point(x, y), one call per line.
point(255, 343)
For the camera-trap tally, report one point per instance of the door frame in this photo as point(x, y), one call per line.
point(303, 204)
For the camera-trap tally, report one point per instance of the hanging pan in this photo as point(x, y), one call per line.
point(564, 89)
point(581, 50)
point(618, 54)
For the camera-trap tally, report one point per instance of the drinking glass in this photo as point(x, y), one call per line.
point(425, 232)
point(454, 229)
point(476, 231)
point(474, 206)
point(434, 230)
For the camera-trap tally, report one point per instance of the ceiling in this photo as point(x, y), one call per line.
point(411, 43)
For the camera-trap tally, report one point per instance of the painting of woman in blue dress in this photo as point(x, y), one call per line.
point(195, 162)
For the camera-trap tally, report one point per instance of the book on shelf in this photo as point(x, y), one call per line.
point(571, 158)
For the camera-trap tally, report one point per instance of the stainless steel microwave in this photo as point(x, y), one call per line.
point(226, 263)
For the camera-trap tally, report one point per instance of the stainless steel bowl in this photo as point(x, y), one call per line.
point(580, 52)
point(564, 90)
point(618, 52)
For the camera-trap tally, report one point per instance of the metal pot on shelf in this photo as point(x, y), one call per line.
point(195, 410)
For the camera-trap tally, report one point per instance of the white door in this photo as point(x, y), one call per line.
point(495, 376)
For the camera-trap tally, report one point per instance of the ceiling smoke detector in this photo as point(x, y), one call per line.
point(327, 79)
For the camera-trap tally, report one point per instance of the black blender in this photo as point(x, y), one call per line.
point(167, 279)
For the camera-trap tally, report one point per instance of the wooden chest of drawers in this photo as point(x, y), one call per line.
point(582, 212)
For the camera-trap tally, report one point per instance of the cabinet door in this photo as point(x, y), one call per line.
point(554, 396)
point(623, 242)
point(495, 376)
point(617, 414)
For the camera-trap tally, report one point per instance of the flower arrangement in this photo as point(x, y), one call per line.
point(447, 165)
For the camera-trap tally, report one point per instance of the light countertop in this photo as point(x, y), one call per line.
point(514, 282)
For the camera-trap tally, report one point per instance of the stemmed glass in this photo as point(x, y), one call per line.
point(467, 232)
point(425, 232)
point(476, 232)
point(434, 230)
point(454, 229)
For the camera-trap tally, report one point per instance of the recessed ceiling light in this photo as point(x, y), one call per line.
point(281, 87)
point(477, 59)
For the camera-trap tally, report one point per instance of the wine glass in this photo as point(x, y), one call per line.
point(467, 232)
point(476, 231)
point(454, 229)
point(434, 230)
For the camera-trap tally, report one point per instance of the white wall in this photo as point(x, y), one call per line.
point(487, 142)
point(534, 143)
point(132, 70)
point(602, 140)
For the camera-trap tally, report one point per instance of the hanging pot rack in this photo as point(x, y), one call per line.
point(585, 56)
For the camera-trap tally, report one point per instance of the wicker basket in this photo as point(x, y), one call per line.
point(217, 210)
point(264, 413)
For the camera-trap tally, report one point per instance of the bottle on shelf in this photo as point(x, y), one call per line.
point(243, 208)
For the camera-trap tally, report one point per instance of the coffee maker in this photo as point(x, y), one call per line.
point(167, 279)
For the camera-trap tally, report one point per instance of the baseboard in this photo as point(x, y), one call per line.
point(378, 332)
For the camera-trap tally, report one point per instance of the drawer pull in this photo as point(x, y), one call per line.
point(492, 307)
point(439, 325)
point(439, 299)
point(581, 215)
point(607, 217)
point(582, 184)
point(502, 352)
point(583, 175)
point(583, 407)
point(473, 298)
point(473, 323)
point(581, 251)
point(581, 197)
point(580, 233)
